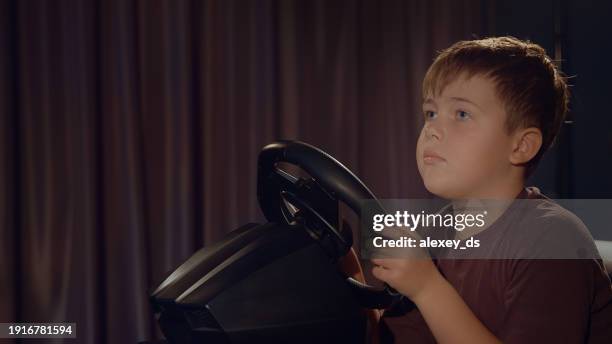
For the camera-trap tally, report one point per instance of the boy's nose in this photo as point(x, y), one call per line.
point(432, 131)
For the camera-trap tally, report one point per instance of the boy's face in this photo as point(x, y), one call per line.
point(464, 126)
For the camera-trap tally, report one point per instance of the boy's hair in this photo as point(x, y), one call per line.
point(532, 88)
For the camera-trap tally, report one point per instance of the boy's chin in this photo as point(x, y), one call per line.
point(443, 189)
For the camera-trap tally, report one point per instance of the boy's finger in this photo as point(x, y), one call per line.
point(380, 273)
point(380, 262)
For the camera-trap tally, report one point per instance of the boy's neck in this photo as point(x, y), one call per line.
point(494, 205)
point(507, 189)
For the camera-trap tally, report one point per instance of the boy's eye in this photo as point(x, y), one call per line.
point(429, 115)
point(463, 115)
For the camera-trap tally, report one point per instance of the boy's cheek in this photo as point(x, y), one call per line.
point(439, 184)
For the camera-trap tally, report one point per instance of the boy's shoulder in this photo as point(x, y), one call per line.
point(543, 229)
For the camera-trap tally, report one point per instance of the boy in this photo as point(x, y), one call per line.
point(492, 107)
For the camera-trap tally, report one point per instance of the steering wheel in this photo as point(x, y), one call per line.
point(311, 202)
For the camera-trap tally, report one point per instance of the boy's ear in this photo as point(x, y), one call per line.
point(526, 144)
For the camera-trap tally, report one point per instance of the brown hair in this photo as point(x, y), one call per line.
point(532, 88)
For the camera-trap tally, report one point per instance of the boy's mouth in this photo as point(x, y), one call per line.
point(431, 157)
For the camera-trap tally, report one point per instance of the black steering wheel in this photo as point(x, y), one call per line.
point(311, 202)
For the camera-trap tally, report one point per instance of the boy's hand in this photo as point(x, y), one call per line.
point(410, 276)
point(407, 270)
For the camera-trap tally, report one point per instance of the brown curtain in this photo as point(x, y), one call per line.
point(129, 131)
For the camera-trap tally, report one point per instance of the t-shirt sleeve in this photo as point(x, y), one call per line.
point(547, 301)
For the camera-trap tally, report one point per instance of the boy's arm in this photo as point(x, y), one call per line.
point(448, 317)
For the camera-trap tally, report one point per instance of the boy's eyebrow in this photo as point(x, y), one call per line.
point(459, 99)
point(429, 101)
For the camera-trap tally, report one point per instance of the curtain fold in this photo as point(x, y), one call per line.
point(129, 131)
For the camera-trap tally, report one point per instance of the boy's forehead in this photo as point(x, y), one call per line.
point(477, 89)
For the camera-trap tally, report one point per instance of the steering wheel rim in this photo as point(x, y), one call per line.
point(334, 178)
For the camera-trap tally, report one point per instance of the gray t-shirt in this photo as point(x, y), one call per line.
point(520, 300)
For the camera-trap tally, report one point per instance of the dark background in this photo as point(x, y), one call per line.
point(129, 130)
